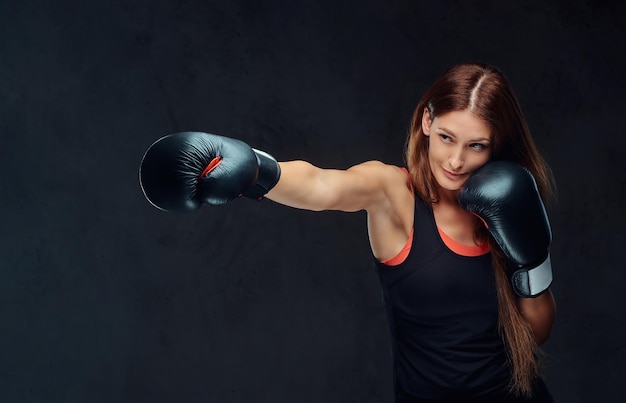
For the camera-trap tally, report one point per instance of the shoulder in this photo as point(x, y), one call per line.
point(396, 191)
point(379, 171)
point(379, 185)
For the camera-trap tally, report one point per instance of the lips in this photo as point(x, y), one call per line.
point(451, 175)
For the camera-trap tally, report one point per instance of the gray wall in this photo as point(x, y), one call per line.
point(105, 299)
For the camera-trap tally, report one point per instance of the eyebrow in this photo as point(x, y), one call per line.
point(452, 133)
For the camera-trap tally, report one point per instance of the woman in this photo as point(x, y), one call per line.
point(459, 332)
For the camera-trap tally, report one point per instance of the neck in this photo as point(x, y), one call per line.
point(448, 198)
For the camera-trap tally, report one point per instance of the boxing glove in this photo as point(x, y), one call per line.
point(505, 195)
point(181, 171)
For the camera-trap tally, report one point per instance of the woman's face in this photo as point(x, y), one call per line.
point(458, 144)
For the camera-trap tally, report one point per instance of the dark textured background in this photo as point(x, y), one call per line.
point(105, 299)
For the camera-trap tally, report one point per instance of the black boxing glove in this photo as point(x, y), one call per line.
point(505, 195)
point(181, 171)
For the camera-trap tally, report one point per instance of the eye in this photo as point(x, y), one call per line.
point(445, 138)
point(478, 146)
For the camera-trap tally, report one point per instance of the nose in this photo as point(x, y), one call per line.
point(456, 160)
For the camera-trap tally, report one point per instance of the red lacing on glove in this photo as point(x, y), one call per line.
point(212, 165)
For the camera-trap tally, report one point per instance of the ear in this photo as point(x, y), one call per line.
point(426, 122)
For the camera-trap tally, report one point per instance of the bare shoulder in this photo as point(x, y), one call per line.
point(389, 176)
point(372, 186)
point(376, 166)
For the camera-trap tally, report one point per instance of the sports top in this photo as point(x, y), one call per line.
point(442, 310)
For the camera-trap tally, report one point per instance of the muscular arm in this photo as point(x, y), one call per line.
point(361, 187)
point(539, 312)
point(382, 190)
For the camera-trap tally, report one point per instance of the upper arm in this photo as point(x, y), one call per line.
point(361, 187)
point(539, 312)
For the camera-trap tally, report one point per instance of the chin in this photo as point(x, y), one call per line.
point(449, 185)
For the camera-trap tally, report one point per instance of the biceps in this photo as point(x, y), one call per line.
point(303, 185)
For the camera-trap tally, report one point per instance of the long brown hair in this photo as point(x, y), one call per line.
point(485, 91)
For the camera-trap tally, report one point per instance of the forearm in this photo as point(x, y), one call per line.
point(539, 312)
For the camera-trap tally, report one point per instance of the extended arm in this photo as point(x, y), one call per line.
point(361, 187)
point(183, 171)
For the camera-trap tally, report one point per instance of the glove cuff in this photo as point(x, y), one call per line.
point(532, 283)
point(269, 174)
